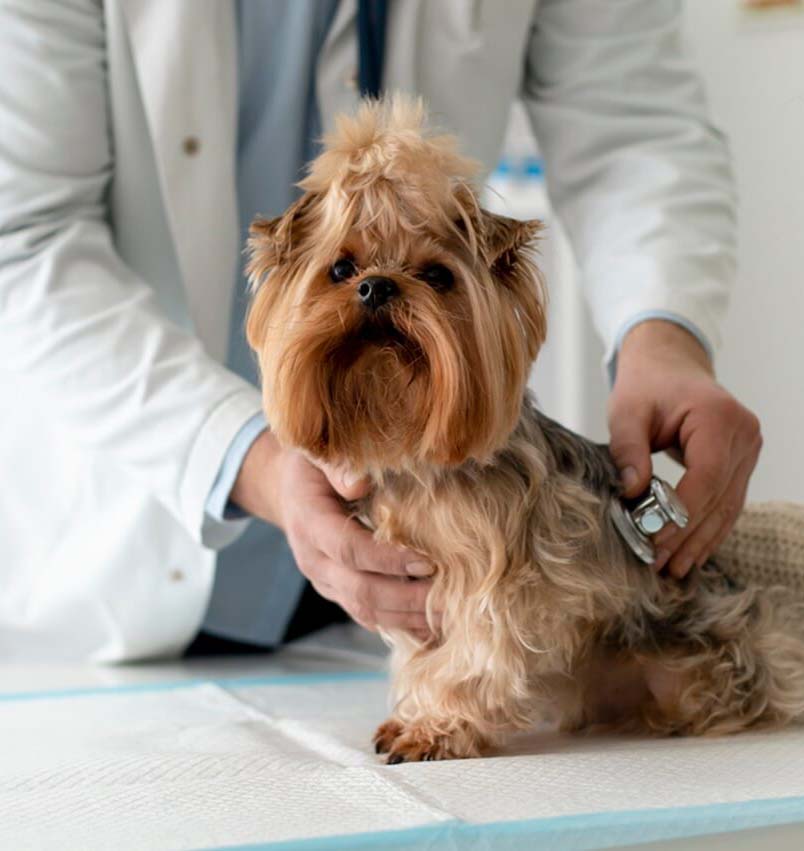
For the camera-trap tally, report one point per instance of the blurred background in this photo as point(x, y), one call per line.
point(751, 57)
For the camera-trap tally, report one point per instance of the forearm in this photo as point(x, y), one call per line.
point(256, 488)
point(667, 340)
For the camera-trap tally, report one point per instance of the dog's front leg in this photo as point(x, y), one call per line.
point(453, 702)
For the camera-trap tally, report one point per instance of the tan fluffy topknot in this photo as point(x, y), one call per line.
point(388, 149)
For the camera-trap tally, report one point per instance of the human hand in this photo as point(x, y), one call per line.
point(378, 585)
point(665, 397)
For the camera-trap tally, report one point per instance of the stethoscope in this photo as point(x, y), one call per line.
point(637, 519)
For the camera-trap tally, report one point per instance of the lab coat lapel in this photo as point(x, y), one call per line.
point(345, 14)
point(185, 53)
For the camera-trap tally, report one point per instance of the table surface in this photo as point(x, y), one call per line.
point(333, 652)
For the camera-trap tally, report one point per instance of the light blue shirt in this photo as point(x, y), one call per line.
point(257, 583)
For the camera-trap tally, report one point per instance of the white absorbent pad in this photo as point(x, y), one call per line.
point(285, 761)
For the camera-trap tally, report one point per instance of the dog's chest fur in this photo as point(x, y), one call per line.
point(541, 601)
point(521, 544)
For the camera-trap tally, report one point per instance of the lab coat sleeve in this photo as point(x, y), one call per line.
point(83, 331)
point(636, 172)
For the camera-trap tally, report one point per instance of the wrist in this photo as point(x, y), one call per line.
point(255, 488)
point(666, 340)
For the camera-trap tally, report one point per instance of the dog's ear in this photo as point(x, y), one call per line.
point(272, 241)
point(509, 245)
point(505, 239)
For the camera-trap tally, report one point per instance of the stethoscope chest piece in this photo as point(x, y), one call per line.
point(637, 519)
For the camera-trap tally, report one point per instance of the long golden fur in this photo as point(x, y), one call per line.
point(544, 611)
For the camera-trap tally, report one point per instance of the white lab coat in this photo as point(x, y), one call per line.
point(119, 246)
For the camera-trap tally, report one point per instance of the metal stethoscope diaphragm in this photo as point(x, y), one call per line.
point(636, 520)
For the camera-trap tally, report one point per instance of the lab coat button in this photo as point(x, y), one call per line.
point(191, 146)
point(176, 575)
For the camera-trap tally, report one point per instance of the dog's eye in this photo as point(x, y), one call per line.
point(342, 270)
point(437, 276)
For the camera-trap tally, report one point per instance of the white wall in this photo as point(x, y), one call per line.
point(753, 67)
point(568, 378)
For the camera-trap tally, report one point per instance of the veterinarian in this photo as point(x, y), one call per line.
point(139, 138)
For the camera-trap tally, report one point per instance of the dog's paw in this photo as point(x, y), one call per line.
point(419, 743)
point(386, 734)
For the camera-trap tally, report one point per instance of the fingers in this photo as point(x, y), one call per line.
point(315, 516)
point(349, 485)
point(714, 545)
point(722, 520)
point(713, 490)
point(376, 583)
point(372, 597)
point(629, 424)
point(347, 542)
point(372, 600)
point(710, 533)
point(702, 486)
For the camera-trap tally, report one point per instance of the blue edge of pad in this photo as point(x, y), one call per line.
point(581, 832)
point(173, 685)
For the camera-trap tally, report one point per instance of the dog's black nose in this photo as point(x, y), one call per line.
point(375, 291)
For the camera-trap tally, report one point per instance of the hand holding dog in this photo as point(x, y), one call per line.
point(666, 397)
point(336, 553)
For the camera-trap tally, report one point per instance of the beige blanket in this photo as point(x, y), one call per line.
point(767, 547)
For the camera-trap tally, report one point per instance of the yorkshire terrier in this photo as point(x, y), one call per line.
point(396, 322)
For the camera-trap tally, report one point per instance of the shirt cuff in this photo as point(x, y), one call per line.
point(644, 316)
point(225, 521)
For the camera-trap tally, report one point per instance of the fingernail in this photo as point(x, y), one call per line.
point(662, 557)
point(419, 568)
point(683, 567)
point(630, 478)
point(350, 478)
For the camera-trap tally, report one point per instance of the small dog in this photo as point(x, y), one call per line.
point(395, 323)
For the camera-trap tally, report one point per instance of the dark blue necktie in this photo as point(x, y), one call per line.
point(371, 17)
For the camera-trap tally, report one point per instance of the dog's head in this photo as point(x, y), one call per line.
point(394, 320)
